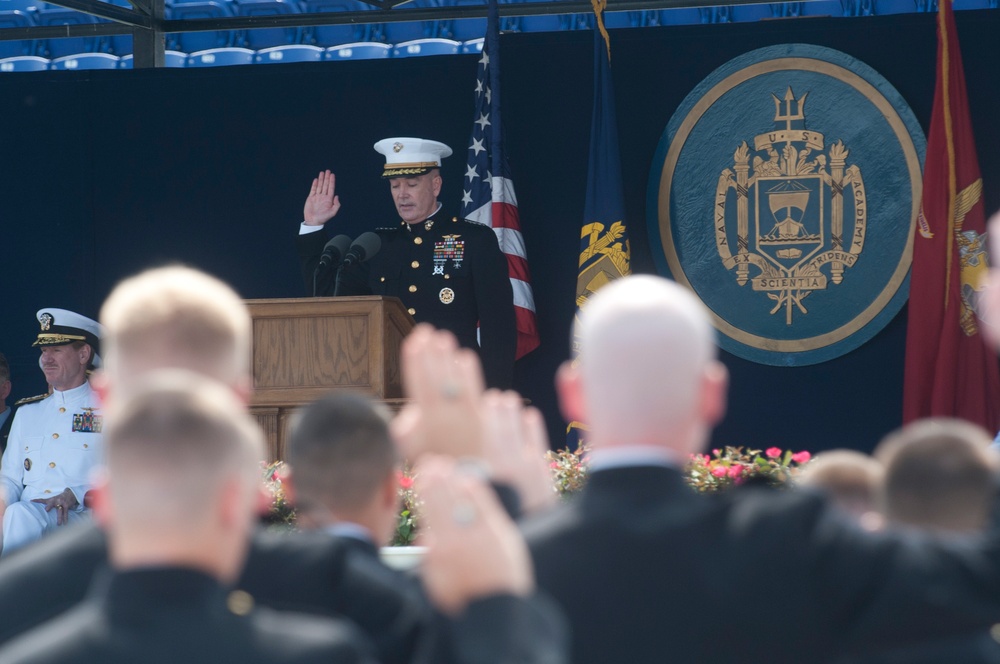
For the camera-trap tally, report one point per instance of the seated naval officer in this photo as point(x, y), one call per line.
point(55, 439)
point(447, 272)
point(6, 415)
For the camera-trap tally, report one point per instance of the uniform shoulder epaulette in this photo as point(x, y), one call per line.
point(33, 399)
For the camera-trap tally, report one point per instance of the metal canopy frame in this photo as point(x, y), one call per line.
point(146, 23)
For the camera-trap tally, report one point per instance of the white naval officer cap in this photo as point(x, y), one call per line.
point(409, 157)
point(61, 326)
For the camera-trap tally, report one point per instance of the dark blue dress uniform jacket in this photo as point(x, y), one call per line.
point(451, 275)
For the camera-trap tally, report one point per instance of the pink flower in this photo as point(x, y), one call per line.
point(553, 464)
point(275, 477)
point(404, 481)
point(735, 471)
point(773, 452)
point(719, 471)
point(707, 458)
point(715, 451)
point(801, 457)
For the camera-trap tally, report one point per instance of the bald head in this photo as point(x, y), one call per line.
point(646, 370)
point(175, 317)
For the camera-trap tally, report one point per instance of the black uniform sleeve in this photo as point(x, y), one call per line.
point(495, 300)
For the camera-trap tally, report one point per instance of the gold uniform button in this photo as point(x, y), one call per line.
point(413, 289)
point(995, 632)
point(62, 410)
point(412, 311)
point(52, 464)
point(55, 435)
point(447, 276)
point(415, 264)
point(418, 240)
point(85, 446)
point(381, 278)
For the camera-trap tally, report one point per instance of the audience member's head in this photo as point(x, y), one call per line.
point(849, 478)
point(939, 476)
point(176, 317)
point(343, 465)
point(646, 373)
point(182, 475)
point(4, 382)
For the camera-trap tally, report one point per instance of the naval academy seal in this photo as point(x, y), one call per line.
point(784, 193)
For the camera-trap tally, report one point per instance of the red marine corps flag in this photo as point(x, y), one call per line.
point(949, 369)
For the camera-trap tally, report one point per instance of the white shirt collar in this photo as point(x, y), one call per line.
point(633, 455)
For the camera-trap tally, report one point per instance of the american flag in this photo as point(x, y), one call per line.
point(488, 193)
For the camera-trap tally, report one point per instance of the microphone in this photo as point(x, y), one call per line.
point(362, 249)
point(334, 251)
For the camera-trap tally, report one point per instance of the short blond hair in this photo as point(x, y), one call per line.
point(180, 317)
point(849, 478)
point(939, 475)
point(173, 440)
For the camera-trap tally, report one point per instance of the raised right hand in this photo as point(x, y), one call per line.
point(321, 205)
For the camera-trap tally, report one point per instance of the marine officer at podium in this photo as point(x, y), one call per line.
point(447, 272)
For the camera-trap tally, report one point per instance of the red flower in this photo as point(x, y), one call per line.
point(274, 477)
point(735, 471)
point(773, 452)
point(719, 471)
point(404, 481)
point(801, 457)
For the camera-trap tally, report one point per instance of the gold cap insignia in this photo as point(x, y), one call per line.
point(396, 147)
point(46, 321)
point(447, 296)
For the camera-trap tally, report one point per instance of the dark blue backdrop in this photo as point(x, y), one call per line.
point(106, 172)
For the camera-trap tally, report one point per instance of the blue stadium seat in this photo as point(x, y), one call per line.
point(358, 51)
point(120, 45)
point(170, 59)
point(220, 57)
point(463, 29)
point(289, 53)
point(690, 16)
point(86, 61)
point(425, 47)
point(543, 23)
point(27, 6)
point(54, 48)
point(334, 35)
point(473, 45)
point(190, 42)
point(266, 37)
point(821, 8)
point(858, 7)
point(624, 19)
point(24, 63)
point(396, 32)
point(16, 19)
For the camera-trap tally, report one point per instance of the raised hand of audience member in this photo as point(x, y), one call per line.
point(445, 384)
point(474, 549)
point(515, 443)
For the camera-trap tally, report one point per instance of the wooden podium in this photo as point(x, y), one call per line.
point(306, 347)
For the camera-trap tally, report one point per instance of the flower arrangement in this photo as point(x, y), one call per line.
point(282, 512)
point(730, 466)
point(406, 522)
point(568, 469)
point(723, 468)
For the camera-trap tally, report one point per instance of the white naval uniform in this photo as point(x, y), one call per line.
point(46, 454)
